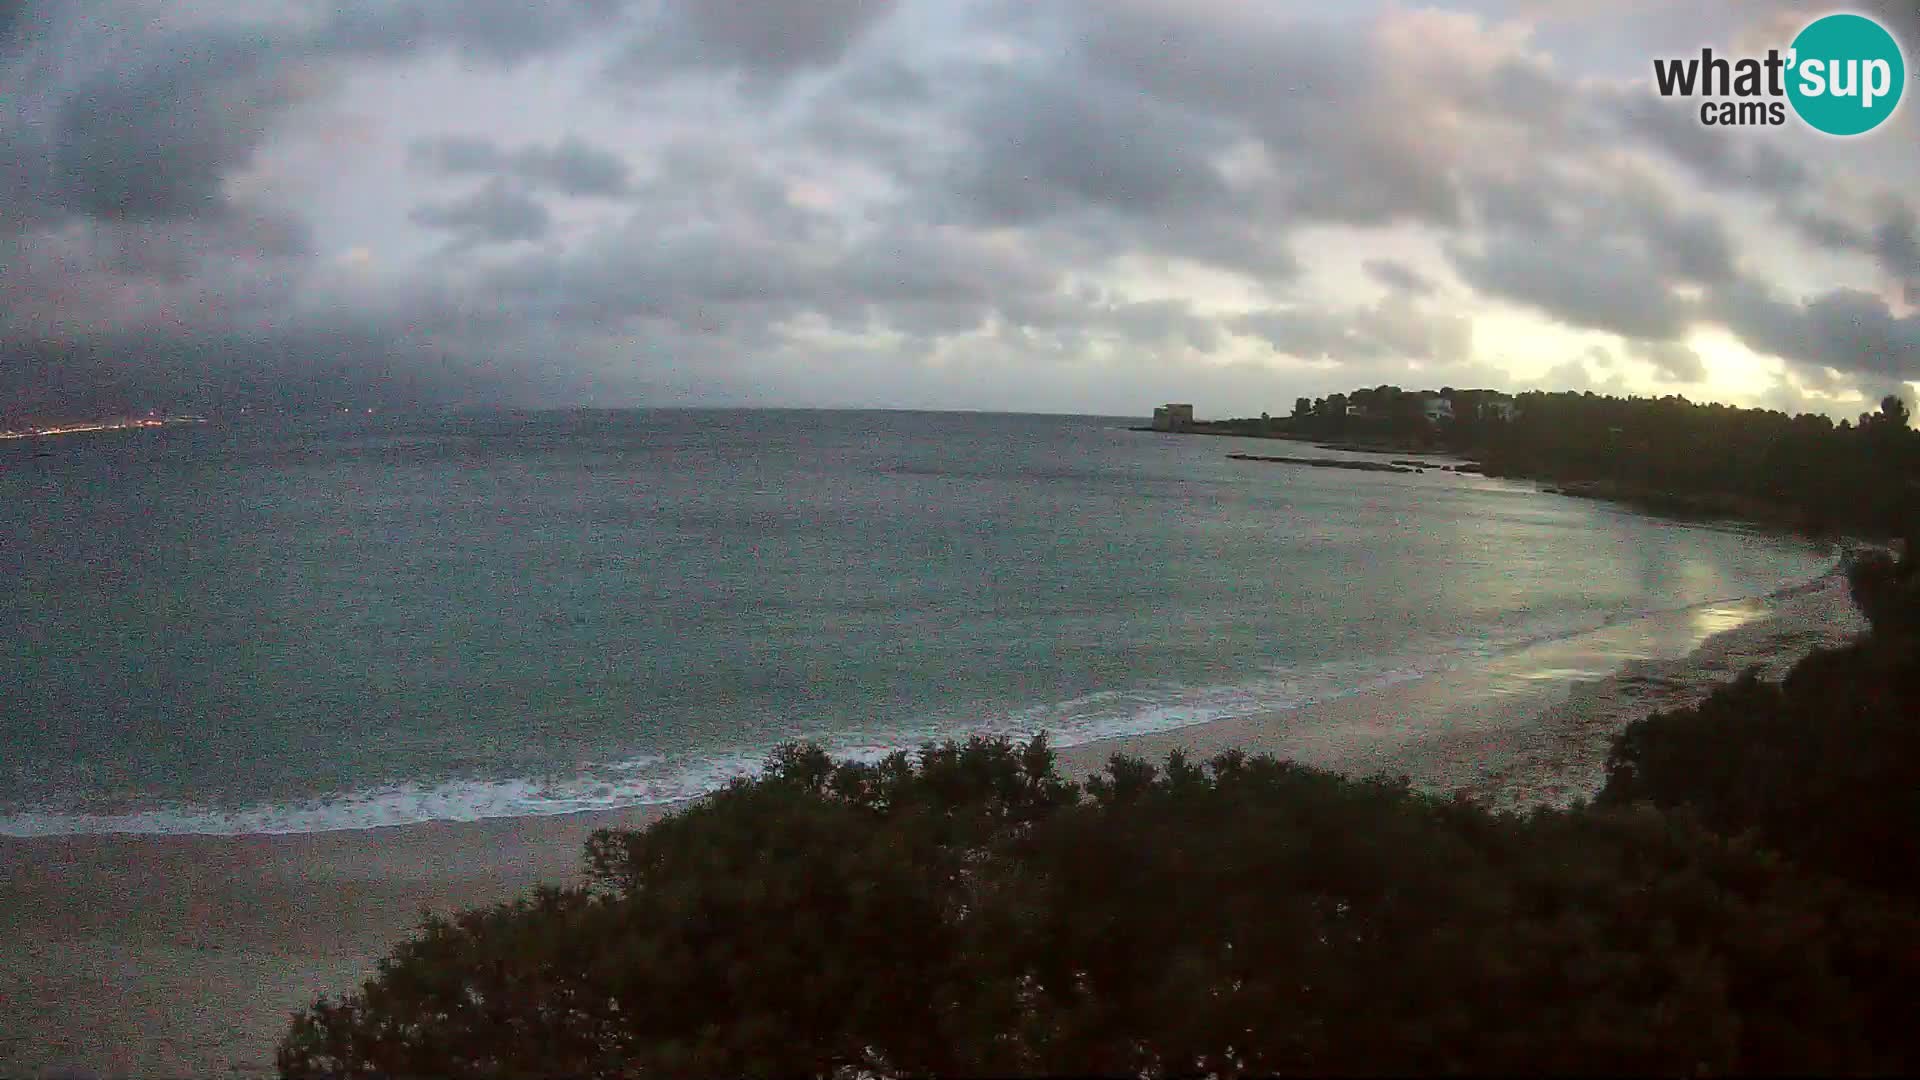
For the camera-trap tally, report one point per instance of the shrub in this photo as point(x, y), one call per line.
point(1824, 767)
point(970, 911)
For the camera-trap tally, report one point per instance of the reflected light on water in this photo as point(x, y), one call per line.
point(1600, 653)
point(1719, 618)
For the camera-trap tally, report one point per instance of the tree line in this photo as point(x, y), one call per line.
point(1803, 471)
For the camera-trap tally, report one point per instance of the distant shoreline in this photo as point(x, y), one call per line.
point(1775, 517)
point(102, 425)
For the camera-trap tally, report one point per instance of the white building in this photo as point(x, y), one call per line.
point(1436, 409)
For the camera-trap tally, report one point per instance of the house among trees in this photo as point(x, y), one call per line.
point(1483, 405)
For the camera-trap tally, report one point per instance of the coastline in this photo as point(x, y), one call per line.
point(1695, 507)
point(147, 955)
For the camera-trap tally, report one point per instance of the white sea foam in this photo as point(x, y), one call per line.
point(653, 779)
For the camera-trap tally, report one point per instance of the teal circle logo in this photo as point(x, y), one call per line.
point(1846, 74)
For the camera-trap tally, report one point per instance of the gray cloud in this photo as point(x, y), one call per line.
point(1393, 330)
point(1301, 91)
point(1675, 128)
point(767, 40)
point(1595, 285)
point(1399, 276)
point(1896, 246)
point(496, 31)
point(1846, 329)
point(570, 166)
point(1826, 230)
point(155, 140)
point(1892, 239)
point(13, 20)
point(497, 213)
point(1051, 148)
point(1675, 362)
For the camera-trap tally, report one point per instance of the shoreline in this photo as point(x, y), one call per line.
point(319, 815)
point(1694, 508)
point(175, 955)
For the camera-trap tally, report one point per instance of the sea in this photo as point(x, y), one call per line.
point(272, 625)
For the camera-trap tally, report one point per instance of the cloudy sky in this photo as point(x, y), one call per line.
point(1035, 205)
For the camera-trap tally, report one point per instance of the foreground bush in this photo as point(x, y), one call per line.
point(970, 911)
point(1824, 767)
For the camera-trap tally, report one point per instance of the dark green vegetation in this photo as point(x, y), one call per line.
point(1803, 472)
point(1741, 899)
point(1824, 767)
point(1669, 453)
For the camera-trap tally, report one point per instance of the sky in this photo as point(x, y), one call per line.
point(1075, 206)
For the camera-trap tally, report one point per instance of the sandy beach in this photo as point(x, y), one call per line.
point(184, 955)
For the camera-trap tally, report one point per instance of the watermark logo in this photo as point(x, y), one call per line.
point(1843, 75)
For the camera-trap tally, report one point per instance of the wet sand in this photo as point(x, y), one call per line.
point(185, 955)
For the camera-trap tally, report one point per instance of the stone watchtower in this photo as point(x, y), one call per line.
point(1173, 418)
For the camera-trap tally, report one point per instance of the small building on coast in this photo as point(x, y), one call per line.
point(1173, 417)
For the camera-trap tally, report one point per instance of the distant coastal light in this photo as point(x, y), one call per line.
point(100, 425)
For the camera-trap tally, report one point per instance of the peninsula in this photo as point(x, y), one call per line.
point(1666, 454)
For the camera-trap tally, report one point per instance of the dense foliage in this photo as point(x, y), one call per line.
point(970, 911)
point(1668, 452)
point(1824, 767)
point(1814, 473)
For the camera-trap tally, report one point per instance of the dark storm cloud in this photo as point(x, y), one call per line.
point(571, 166)
point(764, 39)
point(496, 214)
point(154, 141)
point(110, 119)
point(13, 20)
point(1399, 276)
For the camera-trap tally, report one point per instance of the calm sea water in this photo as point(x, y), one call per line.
point(257, 628)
